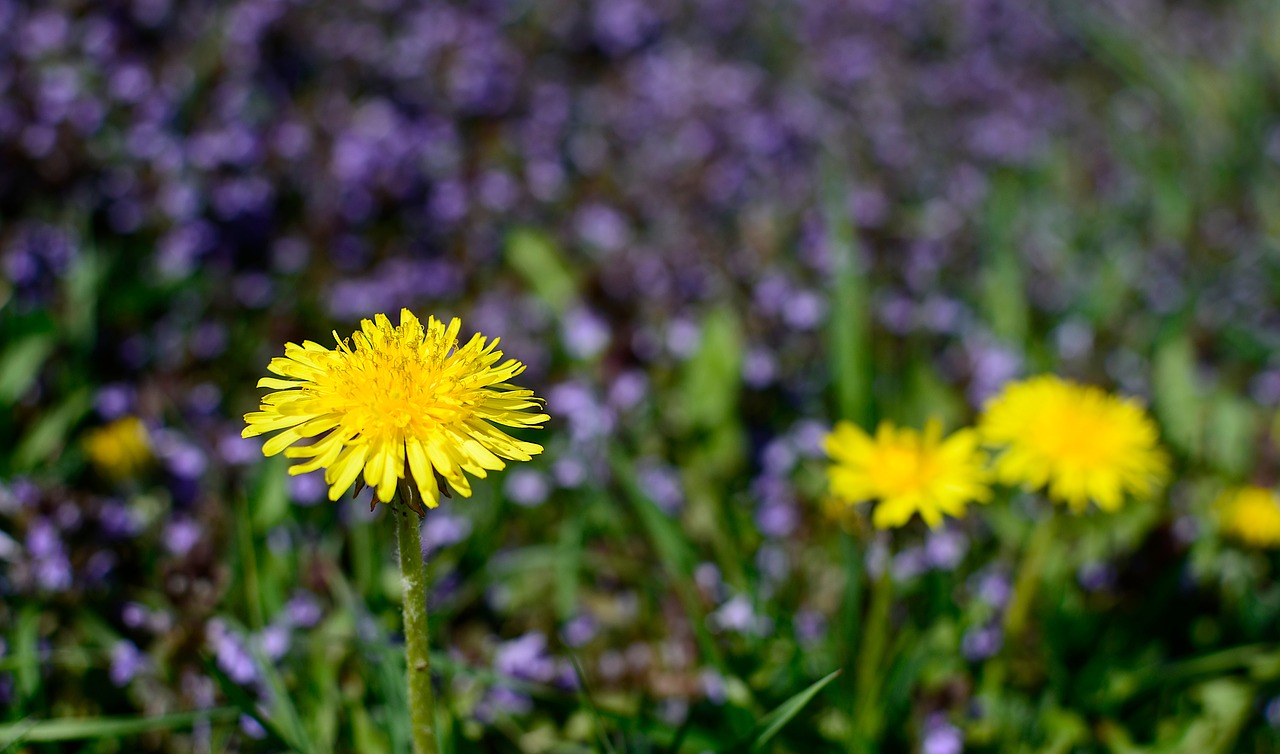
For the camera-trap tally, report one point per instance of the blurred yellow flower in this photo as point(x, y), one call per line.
point(120, 449)
point(1251, 515)
point(393, 400)
point(1079, 441)
point(907, 471)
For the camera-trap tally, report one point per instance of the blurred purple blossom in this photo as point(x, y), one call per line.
point(661, 484)
point(181, 535)
point(810, 626)
point(114, 401)
point(308, 489)
point(231, 653)
point(707, 577)
point(945, 548)
point(777, 518)
point(303, 610)
point(992, 586)
point(252, 728)
point(941, 737)
point(909, 564)
point(235, 450)
point(525, 658)
point(1095, 577)
point(126, 662)
point(273, 641)
point(442, 529)
point(991, 367)
point(584, 333)
point(183, 458)
point(713, 686)
point(579, 630)
point(981, 642)
point(500, 701)
point(526, 487)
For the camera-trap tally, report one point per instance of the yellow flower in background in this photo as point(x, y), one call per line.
point(397, 400)
point(1251, 515)
point(120, 449)
point(907, 471)
point(1078, 441)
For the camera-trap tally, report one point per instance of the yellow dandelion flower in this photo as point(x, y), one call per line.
point(1251, 515)
point(1078, 441)
point(907, 471)
point(393, 400)
point(120, 449)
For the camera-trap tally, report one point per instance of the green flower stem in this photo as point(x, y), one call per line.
point(871, 664)
point(422, 713)
point(1029, 576)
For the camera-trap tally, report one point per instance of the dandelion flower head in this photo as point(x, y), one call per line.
point(907, 471)
point(120, 449)
point(1078, 441)
point(1251, 515)
point(397, 402)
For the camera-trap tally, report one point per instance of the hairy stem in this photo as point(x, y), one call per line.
point(422, 713)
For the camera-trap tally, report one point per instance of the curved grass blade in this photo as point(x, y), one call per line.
point(770, 725)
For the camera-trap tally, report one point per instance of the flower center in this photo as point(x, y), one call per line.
point(399, 385)
point(903, 469)
point(1076, 436)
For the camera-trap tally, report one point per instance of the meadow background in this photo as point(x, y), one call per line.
point(711, 228)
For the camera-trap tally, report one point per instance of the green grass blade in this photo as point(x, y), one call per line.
point(77, 729)
point(771, 724)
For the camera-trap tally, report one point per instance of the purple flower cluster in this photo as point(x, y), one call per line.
point(523, 659)
point(265, 135)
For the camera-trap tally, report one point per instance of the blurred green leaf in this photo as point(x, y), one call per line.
point(20, 365)
point(711, 380)
point(83, 283)
point(1232, 434)
point(849, 324)
point(1225, 704)
point(1176, 393)
point(1004, 299)
point(25, 638)
point(568, 561)
point(50, 433)
point(269, 498)
point(534, 255)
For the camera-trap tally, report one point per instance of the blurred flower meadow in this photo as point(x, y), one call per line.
point(912, 372)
